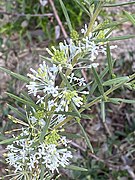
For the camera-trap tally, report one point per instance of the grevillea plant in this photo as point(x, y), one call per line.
point(62, 93)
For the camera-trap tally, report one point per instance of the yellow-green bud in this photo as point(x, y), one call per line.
point(74, 35)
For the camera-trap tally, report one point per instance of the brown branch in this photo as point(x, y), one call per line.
point(58, 19)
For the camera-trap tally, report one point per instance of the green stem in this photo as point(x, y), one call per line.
point(93, 19)
point(98, 99)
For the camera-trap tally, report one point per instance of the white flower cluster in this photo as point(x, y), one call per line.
point(43, 80)
point(23, 156)
point(53, 157)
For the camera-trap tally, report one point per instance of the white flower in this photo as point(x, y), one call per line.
point(51, 90)
point(54, 69)
point(32, 88)
point(95, 65)
point(33, 119)
point(51, 104)
point(84, 30)
point(53, 157)
point(81, 82)
point(64, 140)
point(32, 162)
point(43, 80)
point(78, 101)
point(43, 2)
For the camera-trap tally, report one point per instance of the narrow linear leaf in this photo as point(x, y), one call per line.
point(94, 85)
point(17, 121)
point(26, 97)
point(98, 80)
point(7, 141)
point(75, 109)
point(22, 100)
point(116, 81)
point(18, 76)
point(2, 137)
point(130, 17)
point(87, 116)
point(103, 110)
point(10, 140)
point(49, 60)
point(123, 100)
point(82, 7)
point(42, 172)
point(113, 24)
point(119, 4)
point(86, 138)
point(17, 112)
point(44, 130)
point(65, 80)
point(73, 114)
point(66, 15)
point(113, 100)
point(70, 136)
point(109, 60)
point(76, 168)
point(116, 38)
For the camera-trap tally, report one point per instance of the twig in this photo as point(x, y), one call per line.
point(77, 146)
point(24, 15)
point(58, 19)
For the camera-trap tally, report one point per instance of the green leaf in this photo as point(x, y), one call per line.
point(26, 97)
point(42, 172)
point(113, 24)
point(70, 135)
point(87, 116)
point(65, 80)
point(75, 109)
point(10, 140)
point(66, 15)
point(49, 60)
point(73, 114)
point(116, 38)
point(18, 76)
point(123, 100)
point(2, 137)
point(44, 130)
point(31, 104)
point(103, 110)
point(112, 100)
point(17, 121)
point(76, 168)
point(94, 85)
point(86, 138)
point(98, 80)
point(116, 81)
point(119, 4)
point(130, 17)
point(17, 112)
point(7, 141)
point(109, 60)
point(82, 7)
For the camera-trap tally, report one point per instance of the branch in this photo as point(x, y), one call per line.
point(58, 19)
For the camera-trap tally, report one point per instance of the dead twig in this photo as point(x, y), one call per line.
point(58, 19)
